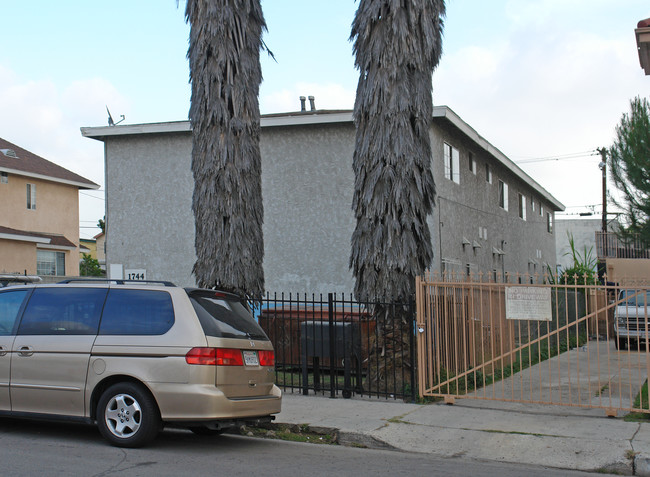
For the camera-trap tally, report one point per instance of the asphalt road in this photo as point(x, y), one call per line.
point(29, 448)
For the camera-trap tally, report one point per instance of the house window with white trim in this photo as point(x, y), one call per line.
point(452, 163)
point(49, 262)
point(488, 174)
point(4, 178)
point(31, 196)
point(549, 223)
point(522, 206)
point(503, 195)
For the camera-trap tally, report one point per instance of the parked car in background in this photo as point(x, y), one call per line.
point(631, 315)
point(12, 279)
point(133, 357)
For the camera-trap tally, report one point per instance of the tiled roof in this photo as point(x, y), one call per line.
point(33, 165)
point(54, 239)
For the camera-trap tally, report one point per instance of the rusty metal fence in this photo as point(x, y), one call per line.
point(546, 340)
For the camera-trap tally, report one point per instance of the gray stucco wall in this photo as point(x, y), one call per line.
point(149, 217)
point(307, 185)
point(470, 212)
point(584, 236)
point(307, 188)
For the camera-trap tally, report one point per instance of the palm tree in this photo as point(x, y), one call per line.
point(397, 44)
point(225, 72)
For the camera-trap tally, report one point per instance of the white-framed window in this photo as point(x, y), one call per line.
point(452, 163)
point(31, 196)
point(472, 163)
point(49, 262)
point(503, 195)
point(522, 206)
point(549, 223)
point(532, 204)
point(488, 174)
point(4, 178)
point(541, 210)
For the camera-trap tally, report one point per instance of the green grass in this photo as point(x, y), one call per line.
point(294, 378)
point(640, 402)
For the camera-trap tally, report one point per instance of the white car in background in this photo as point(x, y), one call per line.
point(631, 323)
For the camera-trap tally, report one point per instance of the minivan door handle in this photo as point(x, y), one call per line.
point(25, 351)
point(3, 351)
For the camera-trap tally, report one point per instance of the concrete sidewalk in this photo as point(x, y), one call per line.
point(553, 436)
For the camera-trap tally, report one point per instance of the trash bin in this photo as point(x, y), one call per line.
point(316, 343)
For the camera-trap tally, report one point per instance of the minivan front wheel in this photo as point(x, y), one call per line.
point(127, 416)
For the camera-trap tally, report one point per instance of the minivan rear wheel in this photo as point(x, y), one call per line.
point(127, 415)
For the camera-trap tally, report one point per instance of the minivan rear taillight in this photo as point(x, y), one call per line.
point(215, 357)
point(267, 358)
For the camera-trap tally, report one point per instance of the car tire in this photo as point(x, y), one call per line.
point(206, 431)
point(127, 415)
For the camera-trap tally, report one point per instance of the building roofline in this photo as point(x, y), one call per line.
point(325, 117)
point(455, 119)
point(45, 177)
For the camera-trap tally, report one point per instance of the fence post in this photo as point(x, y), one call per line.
point(412, 341)
point(332, 336)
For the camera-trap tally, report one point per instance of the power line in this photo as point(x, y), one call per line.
point(560, 157)
point(88, 195)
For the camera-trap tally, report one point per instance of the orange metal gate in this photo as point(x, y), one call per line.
point(580, 345)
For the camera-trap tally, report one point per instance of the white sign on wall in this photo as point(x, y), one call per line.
point(528, 303)
point(115, 271)
point(135, 274)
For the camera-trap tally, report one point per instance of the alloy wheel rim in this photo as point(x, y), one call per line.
point(123, 415)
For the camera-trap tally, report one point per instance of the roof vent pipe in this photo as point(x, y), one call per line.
point(302, 103)
point(312, 103)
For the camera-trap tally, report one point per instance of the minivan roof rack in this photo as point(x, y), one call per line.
point(118, 281)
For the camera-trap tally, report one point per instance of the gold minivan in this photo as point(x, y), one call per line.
point(133, 357)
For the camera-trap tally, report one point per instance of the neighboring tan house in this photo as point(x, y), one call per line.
point(89, 247)
point(39, 214)
point(490, 216)
point(100, 247)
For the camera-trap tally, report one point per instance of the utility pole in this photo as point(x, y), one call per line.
point(603, 167)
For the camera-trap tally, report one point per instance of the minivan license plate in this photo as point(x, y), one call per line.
point(250, 358)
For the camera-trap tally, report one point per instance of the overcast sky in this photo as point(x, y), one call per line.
point(541, 80)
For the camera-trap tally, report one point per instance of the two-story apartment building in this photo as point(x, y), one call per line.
point(39, 214)
point(489, 217)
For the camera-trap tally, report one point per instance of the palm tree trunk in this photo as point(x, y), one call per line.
point(397, 46)
point(225, 72)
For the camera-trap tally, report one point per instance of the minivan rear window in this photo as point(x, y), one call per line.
point(222, 316)
point(137, 312)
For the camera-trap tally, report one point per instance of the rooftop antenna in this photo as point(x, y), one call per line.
point(110, 118)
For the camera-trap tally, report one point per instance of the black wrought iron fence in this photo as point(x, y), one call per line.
point(333, 344)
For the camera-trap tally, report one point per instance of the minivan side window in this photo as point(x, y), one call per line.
point(137, 312)
point(10, 303)
point(63, 311)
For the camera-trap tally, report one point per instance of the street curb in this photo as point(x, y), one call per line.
point(641, 466)
point(344, 438)
point(356, 439)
